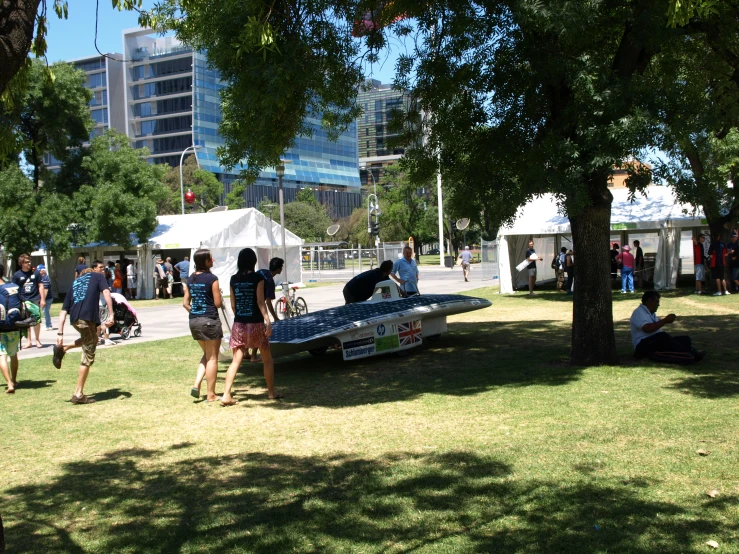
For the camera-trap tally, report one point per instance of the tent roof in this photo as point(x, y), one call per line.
point(647, 211)
point(246, 227)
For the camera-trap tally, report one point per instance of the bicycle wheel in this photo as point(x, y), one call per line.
point(301, 308)
point(281, 308)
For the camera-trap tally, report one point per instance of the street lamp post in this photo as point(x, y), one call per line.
point(182, 188)
point(377, 211)
point(271, 232)
point(280, 169)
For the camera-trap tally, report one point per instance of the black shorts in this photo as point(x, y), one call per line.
point(206, 328)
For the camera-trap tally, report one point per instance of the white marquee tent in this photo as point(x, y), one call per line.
point(657, 210)
point(224, 233)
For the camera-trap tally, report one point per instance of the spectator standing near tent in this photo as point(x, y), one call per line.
point(531, 268)
point(699, 262)
point(82, 305)
point(558, 265)
point(203, 300)
point(466, 257)
point(117, 279)
point(48, 295)
point(160, 278)
point(252, 327)
point(184, 268)
point(638, 264)
point(614, 263)
point(717, 256)
point(131, 279)
point(626, 260)
point(570, 269)
point(733, 257)
point(30, 285)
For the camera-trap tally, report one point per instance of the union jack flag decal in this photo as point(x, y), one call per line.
point(409, 333)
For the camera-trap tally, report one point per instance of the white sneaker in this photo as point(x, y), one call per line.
point(726, 292)
point(717, 294)
point(110, 343)
point(697, 292)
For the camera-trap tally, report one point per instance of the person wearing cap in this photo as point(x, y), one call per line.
point(46, 295)
point(466, 257)
point(626, 260)
point(733, 256)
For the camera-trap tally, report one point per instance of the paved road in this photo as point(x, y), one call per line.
point(170, 320)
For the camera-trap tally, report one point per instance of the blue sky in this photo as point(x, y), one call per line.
point(74, 38)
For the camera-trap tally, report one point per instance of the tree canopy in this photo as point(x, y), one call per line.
point(207, 188)
point(306, 219)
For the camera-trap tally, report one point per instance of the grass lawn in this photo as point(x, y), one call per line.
point(485, 441)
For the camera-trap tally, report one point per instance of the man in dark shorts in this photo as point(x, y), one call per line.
point(717, 255)
point(30, 285)
point(82, 305)
point(531, 268)
point(650, 341)
point(361, 287)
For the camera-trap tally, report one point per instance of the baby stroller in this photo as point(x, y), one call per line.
point(124, 321)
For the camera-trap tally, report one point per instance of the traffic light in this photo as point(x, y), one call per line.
point(454, 226)
point(374, 229)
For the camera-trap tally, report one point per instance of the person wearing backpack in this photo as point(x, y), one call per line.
point(30, 285)
point(570, 269)
point(558, 265)
point(10, 337)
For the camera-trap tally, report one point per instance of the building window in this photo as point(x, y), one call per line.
point(378, 129)
point(378, 105)
point(366, 131)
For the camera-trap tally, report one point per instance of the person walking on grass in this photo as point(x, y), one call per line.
point(203, 300)
point(717, 257)
point(31, 290)
point(10, 339)
point(82, 305)
point(252, 327)
point(626, 260)
point(466, 257)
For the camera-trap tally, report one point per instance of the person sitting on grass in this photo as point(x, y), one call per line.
point(252, 327)
point(81, 303)
point(650, 341)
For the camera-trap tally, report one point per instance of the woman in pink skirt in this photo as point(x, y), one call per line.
point(252, 327)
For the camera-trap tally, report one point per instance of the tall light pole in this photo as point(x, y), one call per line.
point(271, 233)
point(280, 169)
point(182, 188)
point(377, 211)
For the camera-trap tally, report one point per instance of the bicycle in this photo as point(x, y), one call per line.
point(288, 306)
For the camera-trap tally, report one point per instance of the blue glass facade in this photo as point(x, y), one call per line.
point(331, 169)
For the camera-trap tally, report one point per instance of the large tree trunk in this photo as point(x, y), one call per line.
point(593, 342)
point(17, 21)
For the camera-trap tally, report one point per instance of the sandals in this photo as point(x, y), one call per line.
point(58, 356)
point(195, 393)
point(81, 399)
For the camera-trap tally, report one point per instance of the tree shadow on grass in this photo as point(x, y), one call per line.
point(138, 501)
point(470, 359)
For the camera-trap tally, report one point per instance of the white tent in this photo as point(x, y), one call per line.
point(656, 210)
point(224, 233)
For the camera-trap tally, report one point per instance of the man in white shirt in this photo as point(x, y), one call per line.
point(466, 256)
point(650, 341)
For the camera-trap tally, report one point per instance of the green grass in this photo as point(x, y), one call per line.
point(485, 441)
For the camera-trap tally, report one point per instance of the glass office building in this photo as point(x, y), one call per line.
point(173, 102)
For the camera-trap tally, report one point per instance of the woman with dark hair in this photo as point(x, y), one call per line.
point(202, 300)
point(252, 327)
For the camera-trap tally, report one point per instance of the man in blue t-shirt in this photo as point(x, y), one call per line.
point(184, 268)
point(405, 272)
point(30, 285)
point(82, 305)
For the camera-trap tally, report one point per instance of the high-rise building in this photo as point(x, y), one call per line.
point(172, 102)
point(105, 80)
point(375, 139)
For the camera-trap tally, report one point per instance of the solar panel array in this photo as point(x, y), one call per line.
point(328, 322)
